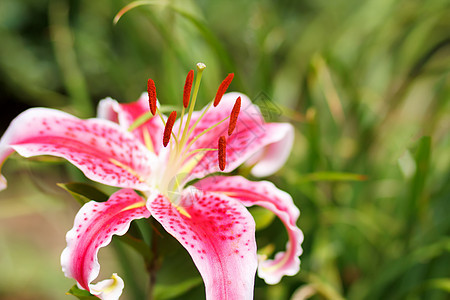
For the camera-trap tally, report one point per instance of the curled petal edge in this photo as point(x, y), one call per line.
point(94, 226)
point(267, 195)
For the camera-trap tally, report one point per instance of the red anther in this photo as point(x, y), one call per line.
point(222, 152)
point(168, 128)
point(223, 88)
point(151, 90)
point(187, 88)
point(234, 115)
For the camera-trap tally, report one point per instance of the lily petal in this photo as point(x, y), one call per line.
point(251, 136)
point(265, 194)
point(149, 133)
point(219, 234)
point(101, 149)
point(110, 289)
point(94, 226)
point(280, 138)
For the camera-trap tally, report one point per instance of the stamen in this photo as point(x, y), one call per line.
point(147, 139)
point(151, 90)
point(199, 150)
point(203, 133)
point(223, 88)
point(222, 152)
point(183, 211)
point(234, 115)
point(168, 128)
point(140, 121)
point(187, 88)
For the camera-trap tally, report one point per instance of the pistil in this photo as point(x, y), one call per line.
point(200, 68)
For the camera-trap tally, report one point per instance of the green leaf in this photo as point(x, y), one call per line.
point(163, 292)
point(177, 273)
point(263, 217)
point(84, 192)
point(438, 283)
point(422, 159)
point(139, 245)
point(81, 294)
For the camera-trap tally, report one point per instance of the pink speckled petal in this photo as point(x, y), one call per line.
point(126, 113)
point(101, 149)
point(250, 137)
point(265, 194)
point(220, 237)
point(94, 226)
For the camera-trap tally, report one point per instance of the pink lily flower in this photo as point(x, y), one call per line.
point(127, 148)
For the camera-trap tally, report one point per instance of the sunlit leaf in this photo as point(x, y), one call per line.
point(81, 294)
point(84, 192)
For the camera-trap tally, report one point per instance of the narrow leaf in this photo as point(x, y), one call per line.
point(84, 192)
point(81, 294)
point(332, 176)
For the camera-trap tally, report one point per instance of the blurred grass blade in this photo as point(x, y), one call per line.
point(135, 4)
point(212, 40)
point(438, 283)
point(396, 269)
point(422, 159)
point(331, 95)
point(304, 292)
point(204, 30)
point(322, 287)
point(332, 176)
point(63, 43)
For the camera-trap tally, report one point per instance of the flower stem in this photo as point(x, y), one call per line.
point(153, 266)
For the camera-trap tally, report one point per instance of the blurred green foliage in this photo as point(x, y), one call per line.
point(365, 83)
